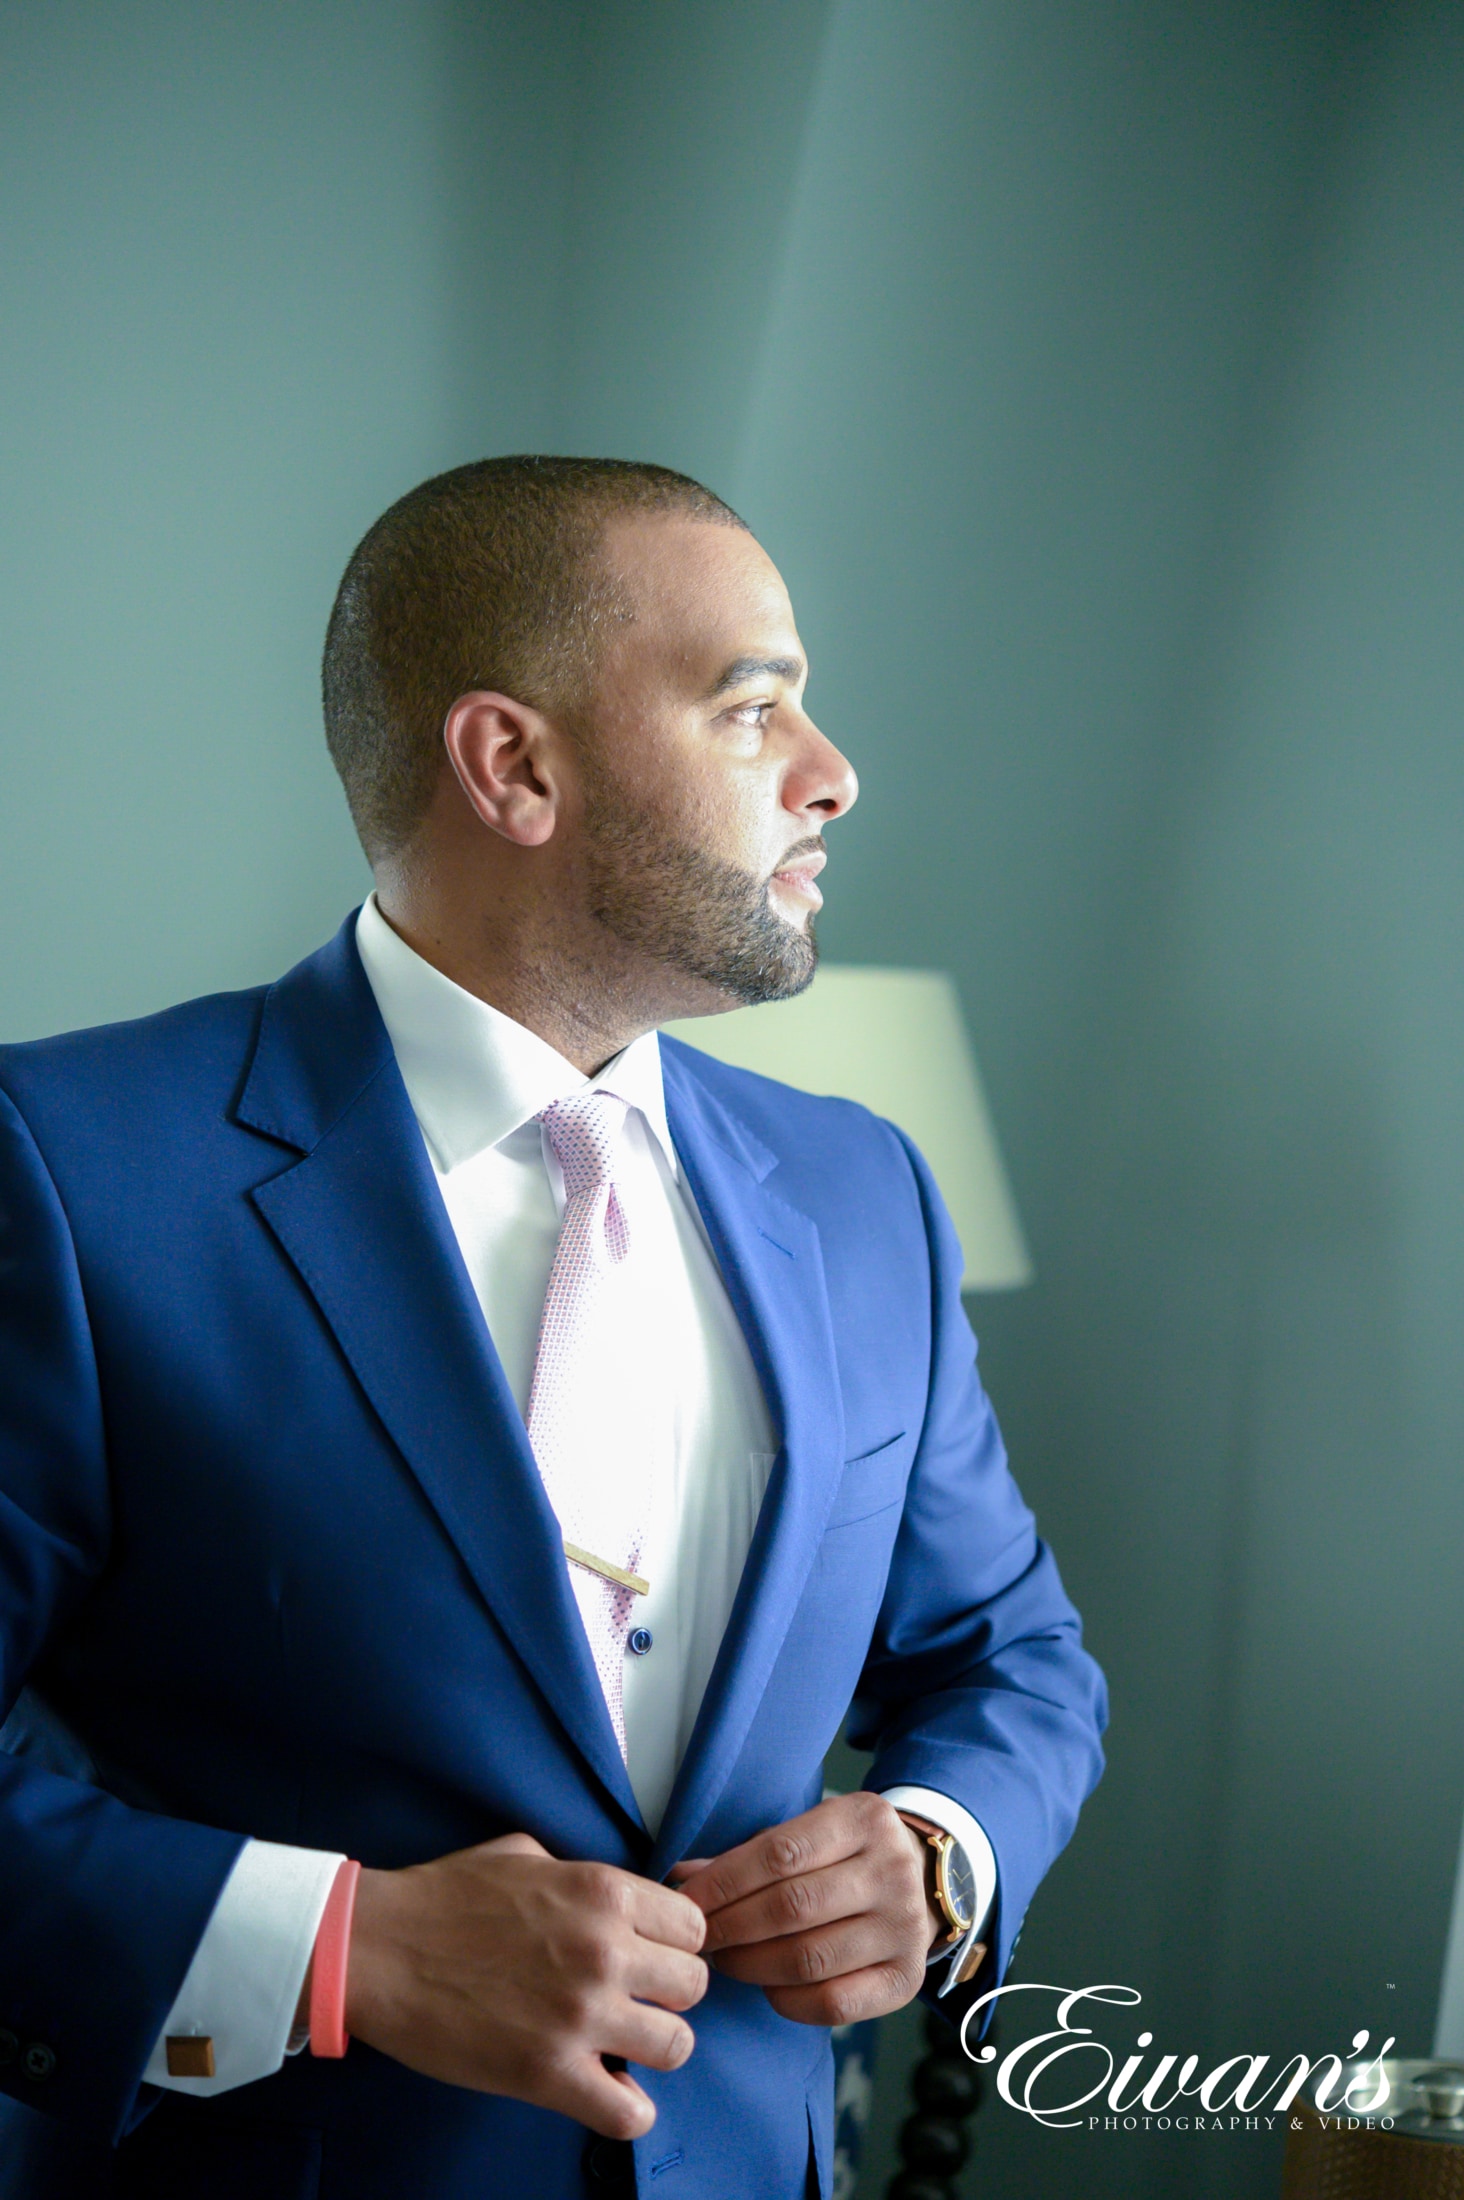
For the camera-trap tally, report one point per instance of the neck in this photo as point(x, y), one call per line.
point(576, 988)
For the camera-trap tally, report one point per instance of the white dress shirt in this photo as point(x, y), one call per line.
point(476, 1081)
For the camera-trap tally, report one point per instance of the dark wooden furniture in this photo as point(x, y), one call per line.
point(935, 2141)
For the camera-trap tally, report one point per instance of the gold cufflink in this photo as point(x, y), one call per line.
point(190, 2055)
point(976, 1956)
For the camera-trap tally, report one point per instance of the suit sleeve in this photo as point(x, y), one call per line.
point(102, 1905)
point(977, 1684)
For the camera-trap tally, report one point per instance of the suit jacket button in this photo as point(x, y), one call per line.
point(38, 2061)
point(610, 2165)
point(9, 2047)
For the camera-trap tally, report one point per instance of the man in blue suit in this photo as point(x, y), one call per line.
point(461, 1454)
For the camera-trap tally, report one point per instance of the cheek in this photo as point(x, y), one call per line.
point(681, 785)
point(751, 812)
point(747, 826)
point(726, 808)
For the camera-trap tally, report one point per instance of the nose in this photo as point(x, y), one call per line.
point(821, 782)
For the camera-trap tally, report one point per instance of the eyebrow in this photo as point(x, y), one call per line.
point(743, 669)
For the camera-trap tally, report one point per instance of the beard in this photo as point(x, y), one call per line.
point(661, 893)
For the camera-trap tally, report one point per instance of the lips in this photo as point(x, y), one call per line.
point(799, 877)
point(802, 863)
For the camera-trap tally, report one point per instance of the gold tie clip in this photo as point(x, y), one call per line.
point(606, 1571)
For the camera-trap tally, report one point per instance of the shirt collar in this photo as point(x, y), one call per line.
point(472, 1074)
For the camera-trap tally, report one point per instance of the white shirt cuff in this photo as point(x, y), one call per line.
point(953, 1819)
point(244, 1982)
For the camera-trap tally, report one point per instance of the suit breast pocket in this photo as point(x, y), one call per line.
point(871, 1483)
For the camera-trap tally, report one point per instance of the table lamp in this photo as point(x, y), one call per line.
point(895, 1040)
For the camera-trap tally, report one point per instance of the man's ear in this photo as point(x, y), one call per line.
point(503, 754)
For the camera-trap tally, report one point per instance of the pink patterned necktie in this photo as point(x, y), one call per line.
point(571, 1412)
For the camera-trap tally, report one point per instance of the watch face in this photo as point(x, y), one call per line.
point(958, 1885)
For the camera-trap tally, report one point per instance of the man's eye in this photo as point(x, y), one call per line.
point(754, 714)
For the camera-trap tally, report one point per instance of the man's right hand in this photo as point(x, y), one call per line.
point(503, 1969)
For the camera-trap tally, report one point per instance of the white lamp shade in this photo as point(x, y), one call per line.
point(895, 1040)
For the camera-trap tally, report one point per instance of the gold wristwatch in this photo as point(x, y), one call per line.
point(954, 1889)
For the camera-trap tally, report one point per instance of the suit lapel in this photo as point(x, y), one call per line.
point(361, 1218)
point(772, 1266)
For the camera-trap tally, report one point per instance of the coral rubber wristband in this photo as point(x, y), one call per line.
point(328, 2034)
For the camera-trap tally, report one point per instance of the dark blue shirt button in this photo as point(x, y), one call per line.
point(38, 2061)
point(640, 1641)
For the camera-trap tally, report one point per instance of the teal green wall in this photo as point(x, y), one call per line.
point(249, 296)
point(1092, 369)
point(1297, 969)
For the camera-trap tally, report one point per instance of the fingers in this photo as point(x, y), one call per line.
point(506, 1970)
point(686, 1868)
point(849, 2000)
point(611, 1900)
point(653, 2037)
point(608, 2101)
point(667, 1976)
point(847, 1889)
point(822, 1836)
point(513, 1844)
point(828, 1913)
point(611, 1936)
point(661, 1914)
point(833, 1951)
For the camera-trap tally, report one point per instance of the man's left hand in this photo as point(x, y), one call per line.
point(828, 1913)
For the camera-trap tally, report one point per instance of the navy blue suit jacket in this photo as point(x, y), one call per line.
point(273, 1544)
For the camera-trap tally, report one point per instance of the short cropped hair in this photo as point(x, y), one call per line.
point(489, 576)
